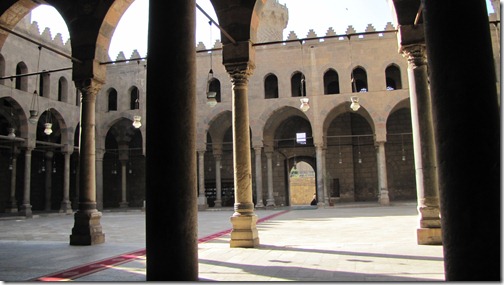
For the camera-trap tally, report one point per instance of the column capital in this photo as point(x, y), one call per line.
point(240, 72)
point(89, 87)
point(415, 54)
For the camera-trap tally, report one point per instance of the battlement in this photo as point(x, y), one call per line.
point(32, 30)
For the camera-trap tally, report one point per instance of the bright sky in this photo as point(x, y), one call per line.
point(319, 15)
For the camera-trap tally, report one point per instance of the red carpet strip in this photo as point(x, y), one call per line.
point(90, 268)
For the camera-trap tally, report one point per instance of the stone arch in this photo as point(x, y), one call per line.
point(399, 154)
point(15, 116)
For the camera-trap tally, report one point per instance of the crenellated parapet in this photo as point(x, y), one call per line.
point(369, 33)
point(32, 30)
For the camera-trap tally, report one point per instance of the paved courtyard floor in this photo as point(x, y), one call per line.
point(348, 242)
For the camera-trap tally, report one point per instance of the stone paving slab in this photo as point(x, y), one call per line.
point(363, 242)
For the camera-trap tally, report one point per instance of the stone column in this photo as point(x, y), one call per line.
point(258, 176)
point(326, 197)
point(468, 138)
point(12, 204)
point(87, 229)
point(202, 200)
point(218, 182)
point(270, 201)
point(124, 200)
point(66, 205)
point(320, 175)
point(172, 214)
point(244, 233)
point(383, 197)
point(49, 155)
point(123, 159)
point(429, 231)
point(26, 206)
point(100, 153)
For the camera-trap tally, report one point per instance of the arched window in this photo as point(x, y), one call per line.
point(215, 87)
point(44, 85)
point(271, 87)
point(359, 80)
point(112, 100)
point(134, 98)
point(298, 84)
point(63, 90)
point(393, 77)
point(21, 82)
point(331, 82)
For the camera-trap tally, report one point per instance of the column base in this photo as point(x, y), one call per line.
point(26, 210)
point(259, 204)
point(123, 205)
point(202, 203)
point(11, 207)
point(244, 233)
point(66, 207)
point(429, 236)
point(87, 229)
point(270, 202)
point(384, 199)
point(218, 204)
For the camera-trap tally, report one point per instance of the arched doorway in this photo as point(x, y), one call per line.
point(302, 183)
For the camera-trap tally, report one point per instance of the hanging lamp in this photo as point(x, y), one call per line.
point(210, 94)
point(48, 124)
point(137, 119)
point(305, 102)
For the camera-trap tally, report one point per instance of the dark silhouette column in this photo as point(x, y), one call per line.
point(26, 206)
point(87, 229)
point(66, 206)
point(467, 134)
point(11, 206)
point(49, 155)
point(171, 180)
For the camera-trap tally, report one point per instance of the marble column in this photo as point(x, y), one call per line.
point(326, 196)
point(383, 196)
point(100, 153)
point(429, 231)
point(87, 229)
point(123, 159)
point(218, 182)
point(270, 201)
point(26, 206)
point(468, 138)
point(124, 199)
point(244, 220)
point(202, 200)
point(66, 205)
point(12, 203)
point(320, 174)
point(171, 200)
point(258, 176)
point(49, 155)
